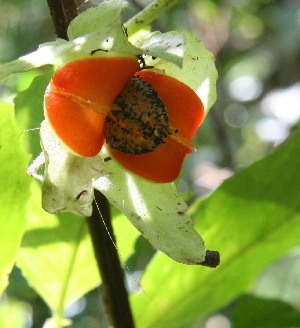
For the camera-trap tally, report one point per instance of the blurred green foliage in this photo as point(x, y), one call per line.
point(257, 49)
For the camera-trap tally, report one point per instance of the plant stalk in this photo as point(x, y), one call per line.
point(113, 287)
point(62, 13)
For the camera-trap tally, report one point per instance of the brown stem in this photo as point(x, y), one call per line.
point(62, 13)
point(113, 286)
point(71, 10)
point(114, 291)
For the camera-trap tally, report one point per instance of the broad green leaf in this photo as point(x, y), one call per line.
point(255, 312)
point(47, 53)
point(14, 192)
point(12, 314)
point(248, 220)
point(29, 112)
point(56, 256)
point(126, 236)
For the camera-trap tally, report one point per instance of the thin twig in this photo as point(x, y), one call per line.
point(62, 13)
point(115, 294)
point(58, 18)
point(71, 10)
point(148, 15)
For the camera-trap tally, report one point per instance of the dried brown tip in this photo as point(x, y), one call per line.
point(212, 259)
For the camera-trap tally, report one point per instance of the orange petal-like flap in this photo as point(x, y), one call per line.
point(98, 80)
point(76, 90)
point(78, 128)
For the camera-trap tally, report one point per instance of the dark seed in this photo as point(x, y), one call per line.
point(142, 124)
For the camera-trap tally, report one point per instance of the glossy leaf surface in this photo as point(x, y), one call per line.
point(14, 192)
point(247, 219)
point(267, 313)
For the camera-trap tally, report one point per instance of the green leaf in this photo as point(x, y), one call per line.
point(12, 314)
point(56, 256)
point(14, 192)
point(262, 313)
point(248, 220)
point(30, 113)
point(48, 53)
point(126, 236)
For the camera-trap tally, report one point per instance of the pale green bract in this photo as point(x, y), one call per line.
point(96, 28)
point(156, 210)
